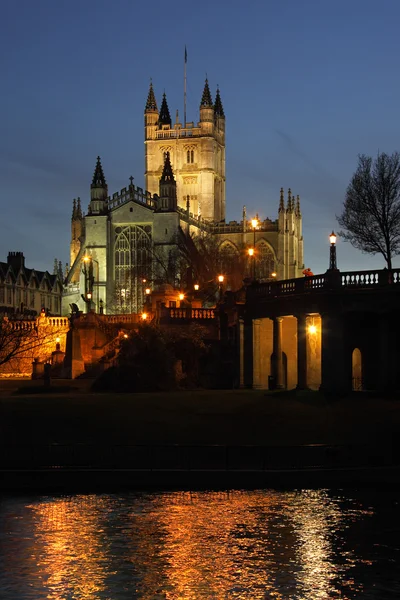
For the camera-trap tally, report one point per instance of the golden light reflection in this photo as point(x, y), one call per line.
point(72, 557)
point(186, 546)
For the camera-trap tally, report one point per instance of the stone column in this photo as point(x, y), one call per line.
point(335, 360)
point(256, 354)
point(241, 353)
point(302, 383)
point(279, 382)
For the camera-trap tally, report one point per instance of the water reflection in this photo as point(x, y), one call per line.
point(189, 546)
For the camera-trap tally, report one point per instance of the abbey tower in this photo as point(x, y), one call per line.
point(196, 150)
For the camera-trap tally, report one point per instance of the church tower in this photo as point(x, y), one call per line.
point(77, 232)
point(196, 154)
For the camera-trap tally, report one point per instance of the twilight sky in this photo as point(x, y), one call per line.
point(306, 86)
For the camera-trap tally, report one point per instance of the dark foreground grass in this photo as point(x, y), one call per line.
point(235, 417)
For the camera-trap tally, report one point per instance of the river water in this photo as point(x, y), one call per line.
point(308, 544)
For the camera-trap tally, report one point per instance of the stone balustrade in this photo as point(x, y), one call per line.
point(329, 280)
point(191, 313)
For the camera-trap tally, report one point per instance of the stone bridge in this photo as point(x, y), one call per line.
point(337, 331)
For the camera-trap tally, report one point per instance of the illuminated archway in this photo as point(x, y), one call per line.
point(356, 363)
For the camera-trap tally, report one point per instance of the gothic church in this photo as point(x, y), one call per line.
point(125, 239)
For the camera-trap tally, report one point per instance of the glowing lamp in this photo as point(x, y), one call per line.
point(144, 316)
point(254, 223)
point(148, 291)
point(181, 296)
point(312, 329)
point(273, 274)
point(57, 340)
point(144, 280)
point(196, 287)
point(221, 278)
point(125, 335)
point(86, 258)
point(89, 296)
point(250, 251)
point(332, 238)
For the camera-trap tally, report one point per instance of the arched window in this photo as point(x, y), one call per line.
point(192, 156)
point(188, 156)
point(356, 362)
point(133, 263)
point(265, 261)
point(228, 257)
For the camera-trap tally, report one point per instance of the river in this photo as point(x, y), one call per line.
point(263, 544)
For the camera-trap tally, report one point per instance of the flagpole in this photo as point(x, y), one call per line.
point(184, 91)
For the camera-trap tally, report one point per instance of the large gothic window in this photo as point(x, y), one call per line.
point(265, 261)
point(133, 263)
point(228, 257)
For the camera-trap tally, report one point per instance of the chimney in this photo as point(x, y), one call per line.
point(16, 260)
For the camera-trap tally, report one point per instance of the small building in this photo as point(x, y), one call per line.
point(24, 292)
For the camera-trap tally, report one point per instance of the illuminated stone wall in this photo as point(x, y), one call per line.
point(39, 340)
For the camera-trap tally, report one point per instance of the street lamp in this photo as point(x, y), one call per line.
point(196, 287)
point(254, 224)
point(332, 255)
point(88, 261)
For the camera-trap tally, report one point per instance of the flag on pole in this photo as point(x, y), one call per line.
point(185, 55)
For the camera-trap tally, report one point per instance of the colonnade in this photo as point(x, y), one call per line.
point(282, 352)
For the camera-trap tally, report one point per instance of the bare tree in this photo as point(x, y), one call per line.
point(371, 212)
point(22, 341)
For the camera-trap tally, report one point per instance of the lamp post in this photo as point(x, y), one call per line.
point(254, 224)
point(332, 255)
point(220, 282)
point(88, 260)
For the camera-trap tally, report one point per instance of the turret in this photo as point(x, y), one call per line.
point(168, 200)
point(150, 115)
point(98, 191)
point(206, 110)
point(76, 234)
point(165, 117)
point(219, 114)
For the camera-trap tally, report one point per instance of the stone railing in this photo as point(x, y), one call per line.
point(368, 279)
point(190, 313)
point(136, 194)
point(324, 282)
point(27, 325)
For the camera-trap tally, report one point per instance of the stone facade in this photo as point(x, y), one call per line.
point(126, 241)
point(26, 292)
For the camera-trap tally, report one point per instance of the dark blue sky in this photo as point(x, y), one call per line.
point(306, 85)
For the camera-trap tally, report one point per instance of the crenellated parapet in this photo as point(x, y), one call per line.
point(131, 193)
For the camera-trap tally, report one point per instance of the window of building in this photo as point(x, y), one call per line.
point(265, 262)
point(133, 263)
point(32, 301)
point(190, 156)
point(9, 296)
point(2, 295)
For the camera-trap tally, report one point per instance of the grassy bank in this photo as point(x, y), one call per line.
point(198, 417)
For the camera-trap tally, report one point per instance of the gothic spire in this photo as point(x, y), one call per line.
point(206, 100)
point(79, 209)
point(290, 200)
point(74, 210)
point(298, 213)
point(167, 174)
point(98, 176)
point(282, 201)
point(218, 108)
point(165, 117)
point(151, 104)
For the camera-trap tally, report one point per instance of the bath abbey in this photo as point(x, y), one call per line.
point(131, 241)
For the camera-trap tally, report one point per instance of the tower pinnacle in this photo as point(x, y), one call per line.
point(165, 117)
point(151, 104)
point(98, 176)
point(206, 100)
point(218, 108)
